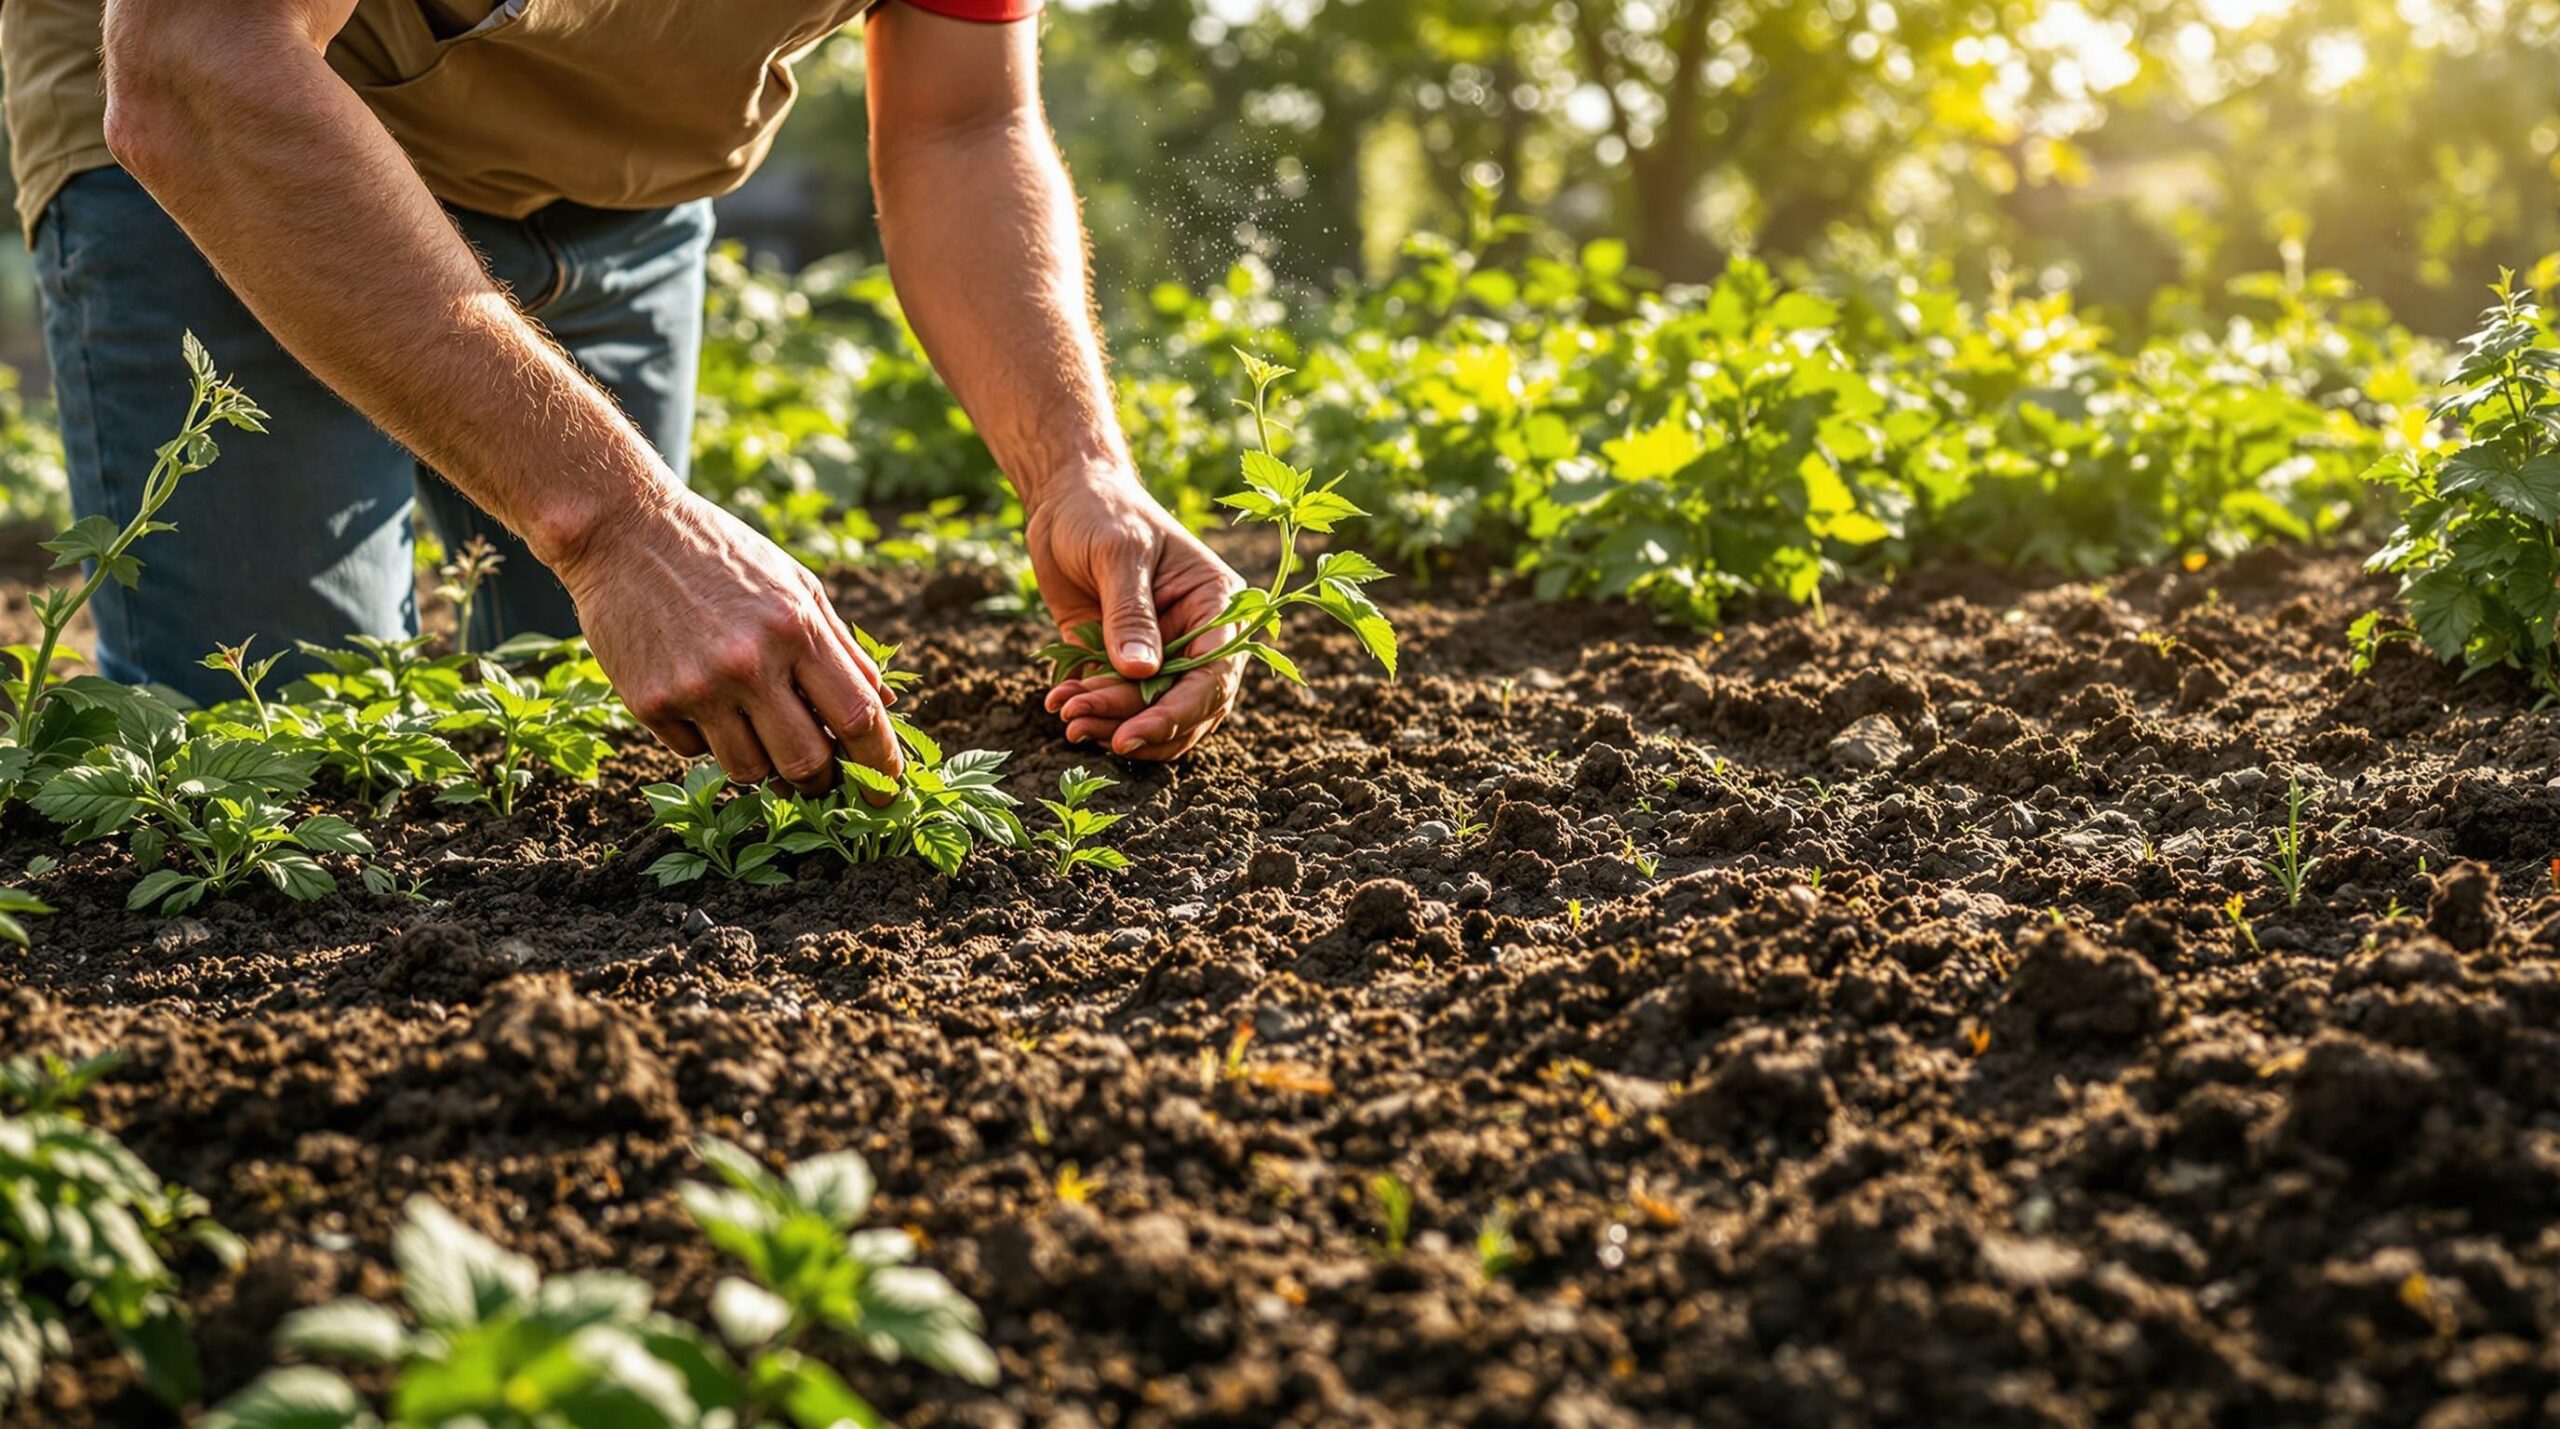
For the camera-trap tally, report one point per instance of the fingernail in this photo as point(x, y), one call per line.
point(1137, 652)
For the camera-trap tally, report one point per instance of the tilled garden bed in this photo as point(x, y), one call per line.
point(1848, 1012)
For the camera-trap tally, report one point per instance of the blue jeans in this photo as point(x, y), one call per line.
point(305, 533)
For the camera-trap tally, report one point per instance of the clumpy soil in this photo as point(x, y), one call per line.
point(1847, 1014)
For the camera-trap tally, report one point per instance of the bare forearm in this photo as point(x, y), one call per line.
point(307, 208)
point(987, 250)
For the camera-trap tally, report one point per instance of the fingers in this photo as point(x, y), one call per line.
point(845, 704)
point(678, 735)
point(734, 743)
point(1181, 718)
point(1116, 701)
point(801, 753)
point(1129, 633)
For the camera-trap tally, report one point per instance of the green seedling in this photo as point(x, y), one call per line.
point(727, 840)
point(939, 812)
point(2479, 540)
point(2237, 910)
point(1646, 864)
point(809, 1273)
point(1076, 824)
point(373, 671)
point(1395, 1212)
point(1496, 1251)
point(536, 724)
point(2287, 869)
point(216, 805)
point(86, 1231)
point(470, 569)
point(1287, 497)
point(105, 548)
point(488, 1341)
point(379, 751)
point(250, 674)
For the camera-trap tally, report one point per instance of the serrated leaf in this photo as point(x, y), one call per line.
point(1352, 606)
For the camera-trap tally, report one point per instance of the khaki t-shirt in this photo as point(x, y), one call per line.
point(503, 107)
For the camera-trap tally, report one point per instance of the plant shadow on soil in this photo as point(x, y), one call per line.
point(1845, 1011)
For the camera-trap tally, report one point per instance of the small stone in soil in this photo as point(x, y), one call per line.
point(697, 923)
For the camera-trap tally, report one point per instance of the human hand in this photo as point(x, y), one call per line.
point(1105, 550)
point(721, 643)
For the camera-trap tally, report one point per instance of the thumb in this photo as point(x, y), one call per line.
point(1129, 633)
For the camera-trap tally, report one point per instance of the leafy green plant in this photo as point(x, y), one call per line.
point(2287, 868)
point(1289, 498)
point(1077, 824)
point(372, 671)
point(215, 804)
point(105, 547)
point(494, 1344)
point(939, 812)
point(85, 1228)
point(234, 660)
point(2478, 548)
point(716, 835)
point(809, 1272)
point(538, 722)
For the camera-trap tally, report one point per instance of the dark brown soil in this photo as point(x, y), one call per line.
point(1943, 1091)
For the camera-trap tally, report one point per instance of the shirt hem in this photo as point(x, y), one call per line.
point(40, 179)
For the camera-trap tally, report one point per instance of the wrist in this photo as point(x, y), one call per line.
point(575, 527)
point(1106, 473)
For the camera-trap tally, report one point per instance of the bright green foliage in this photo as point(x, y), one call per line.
point(1395, 1212)
point(941, 810)
point(1289, 498)
point(1076, 824)
point(17, 904)
point(727, 840)
point(86, 1229)
point(809, 1271)
point(551, 722)
point(2478, 552)
point(215, 805)
point(373, 670)
point(491, 1343)
point(2287, 868)
point(105, 547)
point(1562, 413)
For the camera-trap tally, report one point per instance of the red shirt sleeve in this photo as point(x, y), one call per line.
point(987, 12)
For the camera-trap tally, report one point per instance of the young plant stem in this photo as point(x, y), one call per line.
point(156, 489)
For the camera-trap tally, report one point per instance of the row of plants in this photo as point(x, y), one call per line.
point(89, 1237)
point(1685, 446)
point(208, 800)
